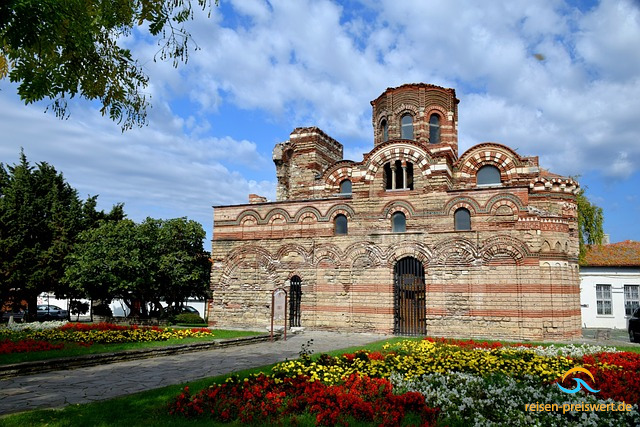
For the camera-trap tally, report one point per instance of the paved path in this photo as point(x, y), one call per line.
point(84, 385)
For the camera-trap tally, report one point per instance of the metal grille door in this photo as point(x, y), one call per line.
point(409, 298)
point(295, 295)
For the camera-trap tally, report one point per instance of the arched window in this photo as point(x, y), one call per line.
point(398, 223)
point(340, 223)
point(462, 219)
point(407, 126)
point(345, 187)
point(434, 129)
point(398, 175)
point(385, 130)
point(488, 175)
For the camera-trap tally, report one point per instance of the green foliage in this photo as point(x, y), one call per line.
point(78, 307)
point(40, 218)
point(190, 318)
point(590, 224)
point(140, 263)
point(59, 49)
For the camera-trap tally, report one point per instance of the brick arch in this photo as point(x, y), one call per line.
point(338, 169)
point(276, 213)
point(292, 247)
point(368, 249)
point(398, 206)
point(505, 199)
point(547, 183)
point(248, 220)
point(442, 112)
point(411, 248)
point(327, 251)
point(495, 247)
point(382, 115)
point(394, 150)
point(332, 183)
point(458, 202)
point(489, 153)
point(306, 212)
point(454, 251)
point(248, 213)
point(239, 255)
point(406, 108)
point(343, 209)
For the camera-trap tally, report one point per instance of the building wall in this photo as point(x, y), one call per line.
point(513, 275)
point(617, 277)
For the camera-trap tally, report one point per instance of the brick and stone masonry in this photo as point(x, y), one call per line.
point(497, 249)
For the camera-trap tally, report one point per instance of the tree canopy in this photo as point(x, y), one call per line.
point(59, 49)
point(40, 218)
point(590, 224)
point(157, 260)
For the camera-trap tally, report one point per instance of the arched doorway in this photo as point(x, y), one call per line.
point(409, 294)
point(295, 295)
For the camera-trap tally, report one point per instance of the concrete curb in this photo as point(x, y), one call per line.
point(40, 366)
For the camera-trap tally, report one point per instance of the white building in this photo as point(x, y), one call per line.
point(610, 285)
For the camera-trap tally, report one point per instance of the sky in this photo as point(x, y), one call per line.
point(556, 79)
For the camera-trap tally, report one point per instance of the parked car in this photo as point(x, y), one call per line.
point(51, 312)
point(172, 311)
point(18, 316)
point(634, 326)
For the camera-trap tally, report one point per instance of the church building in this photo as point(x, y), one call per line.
point(413, 239)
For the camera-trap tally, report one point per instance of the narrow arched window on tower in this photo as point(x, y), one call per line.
point(385, 130)
point(398, 223)
point(340, 225)
point(345, 187)
point(434, 129)
point(462, 219)
point(407, 126)
point(488, 175)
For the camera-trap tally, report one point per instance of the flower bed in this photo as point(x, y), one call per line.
point(24, 339)
point(471, 383)
point(265, 401)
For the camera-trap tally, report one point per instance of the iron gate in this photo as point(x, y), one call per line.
point(409, 294)
point(295, 295)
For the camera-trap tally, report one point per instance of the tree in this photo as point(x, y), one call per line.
point(158, 260)
point(107, 263)
point(590, 224)
point(182, 265)
point(40, 218)
point(59, 49)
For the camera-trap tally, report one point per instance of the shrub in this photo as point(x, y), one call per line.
point(102, 310)
point(190, 318)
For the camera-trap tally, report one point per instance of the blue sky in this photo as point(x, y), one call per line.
point(266, 67)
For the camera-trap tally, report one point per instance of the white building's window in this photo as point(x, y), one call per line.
point(631, 299)
point(603, 299)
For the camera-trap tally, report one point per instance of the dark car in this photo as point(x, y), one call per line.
point(18, 316)
point(634, 326)
point(172, 311)
point(51, 312)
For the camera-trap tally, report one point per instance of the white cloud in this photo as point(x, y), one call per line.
point(156, 171)
point(268, 66)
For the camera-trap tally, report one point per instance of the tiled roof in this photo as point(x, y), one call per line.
point(622, 254)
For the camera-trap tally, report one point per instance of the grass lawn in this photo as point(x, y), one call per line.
point(149, 408)
point(72, 350)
